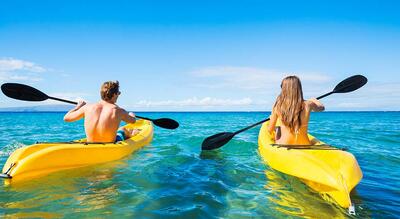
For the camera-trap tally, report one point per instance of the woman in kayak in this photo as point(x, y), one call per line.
point(292, 113)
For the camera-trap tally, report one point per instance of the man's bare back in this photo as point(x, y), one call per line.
point(102, 119)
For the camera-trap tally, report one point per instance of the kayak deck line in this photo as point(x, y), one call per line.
point(308, 147)
point(76, 142)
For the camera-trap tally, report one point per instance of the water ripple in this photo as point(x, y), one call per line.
point(173, 178)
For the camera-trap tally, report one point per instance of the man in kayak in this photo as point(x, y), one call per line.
point(293, 112)
point(102, 119)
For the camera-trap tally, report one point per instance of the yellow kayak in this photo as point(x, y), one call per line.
point(330, 171)
point(43, 158)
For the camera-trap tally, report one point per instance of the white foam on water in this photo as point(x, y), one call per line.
point(10, 148)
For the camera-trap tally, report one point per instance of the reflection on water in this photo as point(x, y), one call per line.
point(172, 178)
point(42, 196)
point(291, 197)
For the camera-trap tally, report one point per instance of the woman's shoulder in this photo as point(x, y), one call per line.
point(308, 105)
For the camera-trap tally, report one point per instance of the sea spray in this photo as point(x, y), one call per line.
point(10, 148)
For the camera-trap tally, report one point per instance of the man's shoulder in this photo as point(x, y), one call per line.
point(92, 105)
point(121, 110)
point(114, 107)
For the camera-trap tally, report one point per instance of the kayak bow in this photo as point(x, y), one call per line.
point(41, 159)
point(330, 172)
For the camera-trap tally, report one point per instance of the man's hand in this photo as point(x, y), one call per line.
point(76, 113)
point(132, 114)
point(80, 104)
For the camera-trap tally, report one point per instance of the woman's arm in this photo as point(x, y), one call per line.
point(315, 105)
point(272, 122)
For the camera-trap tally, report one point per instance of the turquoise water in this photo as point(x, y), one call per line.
point(171, 177)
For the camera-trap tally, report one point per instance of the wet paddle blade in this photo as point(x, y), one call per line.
point(217, 140)
point(23, 92)
point(350, 84)
point(166, 123)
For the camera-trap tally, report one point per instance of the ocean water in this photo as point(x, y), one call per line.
point(172, 178)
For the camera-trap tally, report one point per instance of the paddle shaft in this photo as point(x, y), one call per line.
point(62, 100)
point(327, 94)
point(72, 102)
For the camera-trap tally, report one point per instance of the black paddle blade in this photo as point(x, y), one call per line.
point(166, 123)
point(23, 92)
point(217, 140)
point(350, 84)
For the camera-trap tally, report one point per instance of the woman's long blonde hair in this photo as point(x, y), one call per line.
point(289, 103)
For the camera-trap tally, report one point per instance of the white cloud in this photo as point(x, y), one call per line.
point(373, 96)
point(195, 102)
point(19, 70)
point(10, 64)
point(249, 78)
point(68, 96)
point(23, 78)
point(262, 86)
point(4, 76)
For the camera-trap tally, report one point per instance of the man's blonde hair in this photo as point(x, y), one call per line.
point(108, 89)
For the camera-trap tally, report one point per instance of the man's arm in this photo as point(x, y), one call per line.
point(128, 117)
point(76, 113)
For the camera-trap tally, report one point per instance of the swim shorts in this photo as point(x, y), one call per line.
point(120, 136)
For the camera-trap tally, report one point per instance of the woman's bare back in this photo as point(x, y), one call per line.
point(283, 135)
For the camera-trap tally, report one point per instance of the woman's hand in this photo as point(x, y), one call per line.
point(316, 105)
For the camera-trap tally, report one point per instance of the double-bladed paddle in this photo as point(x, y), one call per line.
point(218, 140)
point(28, 93)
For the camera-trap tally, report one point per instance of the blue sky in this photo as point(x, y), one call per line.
point(202, 55)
